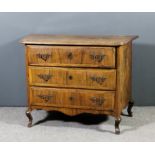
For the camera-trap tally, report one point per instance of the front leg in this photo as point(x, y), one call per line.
point(28, 114)
point(117, 129)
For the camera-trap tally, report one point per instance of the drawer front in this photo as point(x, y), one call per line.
point(71, 56)
point(73, 77)
point(72, 98)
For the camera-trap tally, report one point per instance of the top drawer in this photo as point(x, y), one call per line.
point(74, 56)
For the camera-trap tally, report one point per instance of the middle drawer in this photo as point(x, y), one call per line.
point(73, 77)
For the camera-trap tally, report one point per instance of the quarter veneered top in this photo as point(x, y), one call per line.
point(77, 40)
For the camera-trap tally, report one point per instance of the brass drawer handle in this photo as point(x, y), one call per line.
point(45, 77)
point(99, 80)
point(96, 57)
point(97, 100)
point(46, 98)
point(70, 55)
point(44, 57)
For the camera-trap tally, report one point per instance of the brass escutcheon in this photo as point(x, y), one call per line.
point(46, 98)
point(97, 100)
point(45, 77)
point(99, 80)
point(44, 57)
point(96, 57)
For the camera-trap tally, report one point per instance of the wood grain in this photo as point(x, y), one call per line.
point(71, 56)
point(123, 88)
point(79, 74)
point(74, 98)
point(73, 77)
point(41, 39)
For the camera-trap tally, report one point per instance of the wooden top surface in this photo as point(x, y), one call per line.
point(77, 40)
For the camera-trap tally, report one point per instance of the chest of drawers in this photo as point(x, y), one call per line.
point(79, 74)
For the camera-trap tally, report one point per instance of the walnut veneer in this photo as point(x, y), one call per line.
point(79, 74)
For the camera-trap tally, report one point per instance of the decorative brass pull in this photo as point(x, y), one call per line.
point(46, 98)
point(45, 77)
point(44, 57)
point(70, 56)
point(97, 100)
point(99, 80)
point(97, 58)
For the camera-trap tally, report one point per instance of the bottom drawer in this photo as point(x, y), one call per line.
point(72, 98)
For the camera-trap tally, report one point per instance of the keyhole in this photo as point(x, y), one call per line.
point(70, 77)
point(70, 56)
point(71, 98)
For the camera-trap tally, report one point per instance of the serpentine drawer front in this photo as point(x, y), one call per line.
point(72, 98)
point(71, 56)
point(72, 77)
point(79, 74)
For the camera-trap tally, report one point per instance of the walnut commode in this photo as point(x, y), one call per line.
point(79, 74)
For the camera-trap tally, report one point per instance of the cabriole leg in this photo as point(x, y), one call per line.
point(129, 109)
point(117, 129)
point(28, 114)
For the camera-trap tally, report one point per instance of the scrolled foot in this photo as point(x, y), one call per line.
point(117, 129)
point(129, 109)
point(28, 114)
